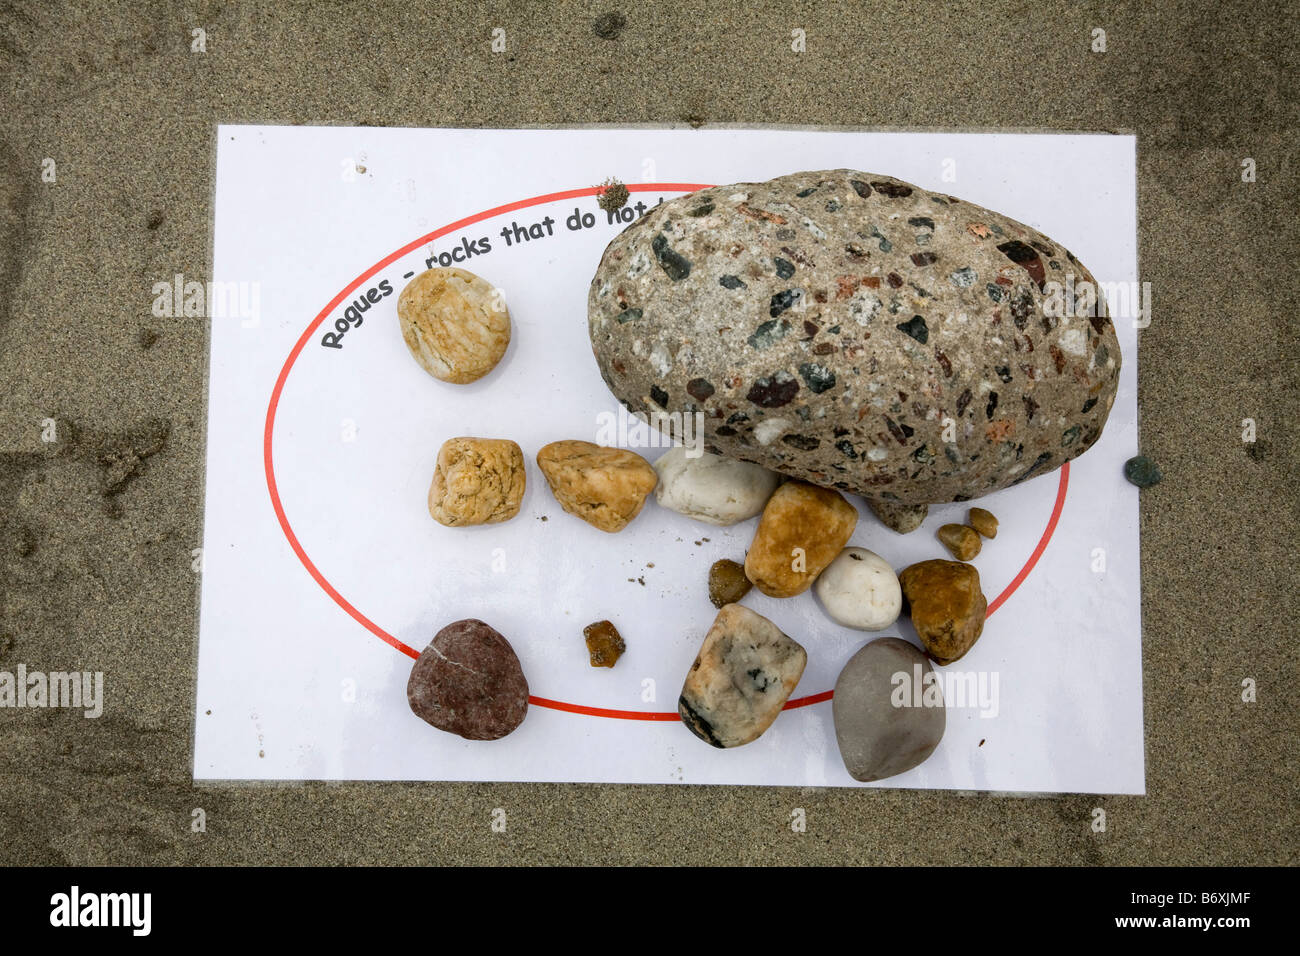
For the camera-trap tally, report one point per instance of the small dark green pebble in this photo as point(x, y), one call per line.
point(1142, 471)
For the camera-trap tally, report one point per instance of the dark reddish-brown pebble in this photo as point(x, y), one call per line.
point(468, 682)
point(604, 643)
point(962, 541)
point(984, 522)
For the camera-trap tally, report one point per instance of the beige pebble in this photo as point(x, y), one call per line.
point(741, 678)
point(984, 522)
point(605, 487)
point(455, 323)
point(477, 481)
point(802, 530)
point(960, 540)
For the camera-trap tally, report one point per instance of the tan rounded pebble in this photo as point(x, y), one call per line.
point(605, 487)
point(984, 522)
point(604, 643)
point(455, 324)
point(946, 605)
point(802, 530)
point(727, 583)
point(960, 540)
point(477, 481)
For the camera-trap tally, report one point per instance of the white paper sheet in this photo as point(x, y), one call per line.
point(296, 680)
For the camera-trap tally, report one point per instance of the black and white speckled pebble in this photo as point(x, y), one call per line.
point(856, 332)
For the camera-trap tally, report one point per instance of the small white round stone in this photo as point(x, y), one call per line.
point(860, 590)
point(711, 488)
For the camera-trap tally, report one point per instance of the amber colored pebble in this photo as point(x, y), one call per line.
point(803, 529)
point(604, 643)
point(984, 522)
point(947, 606)
point(727, 583)
point(962, 541)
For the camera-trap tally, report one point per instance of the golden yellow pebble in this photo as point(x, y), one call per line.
point(455, 323)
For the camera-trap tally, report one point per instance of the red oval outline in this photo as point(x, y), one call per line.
point(341, 601)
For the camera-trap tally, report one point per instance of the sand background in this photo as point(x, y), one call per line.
point(97, 527)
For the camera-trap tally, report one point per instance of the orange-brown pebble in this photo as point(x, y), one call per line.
point(605, 487)
point(960, 540)
point(947, 607)
point(803, 528)
point(727, 583)
point(984, 522)
point(604, 643)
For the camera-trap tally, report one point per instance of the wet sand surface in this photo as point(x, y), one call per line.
point(97, 526)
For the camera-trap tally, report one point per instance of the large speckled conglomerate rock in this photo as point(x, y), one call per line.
point(830, 324)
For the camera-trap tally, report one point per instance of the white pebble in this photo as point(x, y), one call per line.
point(1074, 341)
point(769, 429)
point(860, 590)
point(711, 488)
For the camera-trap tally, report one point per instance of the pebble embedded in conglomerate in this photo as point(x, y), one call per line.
point(860, 590)
point(880, 732)
point(710, 488)
point(829, 324)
